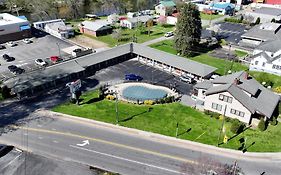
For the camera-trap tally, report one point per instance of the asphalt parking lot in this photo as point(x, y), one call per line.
point(231, 32)
point(115, 74)
point(41, 47)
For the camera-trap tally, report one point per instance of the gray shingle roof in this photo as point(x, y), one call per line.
point(261, 100)
point(96, 25)
point(204, 85)
point(268, 58)
point(142, 19)
point(268, 11)
point(270, 46)
point(191, 66)
point(264, 32)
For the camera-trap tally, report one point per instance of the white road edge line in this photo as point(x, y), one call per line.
point(129, 160)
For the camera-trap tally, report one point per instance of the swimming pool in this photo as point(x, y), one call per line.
point(141, 92)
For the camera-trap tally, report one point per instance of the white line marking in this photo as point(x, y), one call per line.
point(39, 126)
point(55, 141)
point(129, 160)
point(53, 129)
point(40, 138)
point(11, 161)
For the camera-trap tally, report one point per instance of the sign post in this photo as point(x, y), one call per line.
point(75, 91)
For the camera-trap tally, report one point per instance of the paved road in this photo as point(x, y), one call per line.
point(116, 150)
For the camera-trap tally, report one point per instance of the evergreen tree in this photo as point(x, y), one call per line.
point(258, 21)
point(188, 29)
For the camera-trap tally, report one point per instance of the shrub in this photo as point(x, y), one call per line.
point(227, 119)
point(110, 97)
point(233, 20)
point(162, 100)
point(261, 125)
point(277, 89)
point(274, 121)
point(72, 100)
point(149, 102)
point(258, 20)
point(207, 112)
point(237, 126)
point(6, 92)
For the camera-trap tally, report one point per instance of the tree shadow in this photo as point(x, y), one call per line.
point(135, 115)
point(239, 133)
point(185, 131)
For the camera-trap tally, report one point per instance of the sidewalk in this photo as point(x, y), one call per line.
point(270, 157)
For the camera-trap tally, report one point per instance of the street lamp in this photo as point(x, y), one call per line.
point(116, 108)
point(177, 126)
point(59, 49)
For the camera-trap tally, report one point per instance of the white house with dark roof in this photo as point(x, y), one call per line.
point(132, 22)
point(96, 28)
point(165, 7)
point(59, 29)
point(267, 57)
point(237, 96)
point(261, 33)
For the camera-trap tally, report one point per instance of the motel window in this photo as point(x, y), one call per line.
point(263, 64)
point(216, 106)
point(238, 113)
point(256, 62)
point(225, 98)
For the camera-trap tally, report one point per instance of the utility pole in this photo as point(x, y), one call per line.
point(228, 54)
point(59, 50)
point(116, 108)
point(222, 124)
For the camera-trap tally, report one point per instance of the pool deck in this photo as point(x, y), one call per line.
point(118, 89)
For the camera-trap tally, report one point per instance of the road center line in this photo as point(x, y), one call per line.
point(125, 159)
point(109, 143)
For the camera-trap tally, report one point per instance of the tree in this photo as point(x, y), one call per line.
point(188, 29)
point(258, 20)
point(261, 125)
point(273, 20)
point(149, 25)
point(6, 92)
point(117, 34)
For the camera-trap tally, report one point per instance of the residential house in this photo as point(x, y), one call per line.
point(113, 18)
point(267, 57)
point(41, 24)
point(223, 8)
point(265, 14)
point(132, 22)
point(237, 96)
point(96, 28)
point(261, 33)
point(165, 7)
point(59, 29)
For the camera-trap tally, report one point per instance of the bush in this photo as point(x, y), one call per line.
point(227, 119)
point(233, 20)
point(273, 121)
point(261, 125)
point(110, 97)
point(237, 127)
point(277, 89)
point(72, 100)
point(6, 92)
point(258, 21)
point(149, 102)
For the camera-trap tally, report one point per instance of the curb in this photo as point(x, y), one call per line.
point(195, 146)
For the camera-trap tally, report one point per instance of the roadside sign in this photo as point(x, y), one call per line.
point(74, 86)
point(225, 139)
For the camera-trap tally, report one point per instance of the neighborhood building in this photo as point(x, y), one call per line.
point(133, 22)
point(237, 96)
point(267, 57)
point(265, 14)
point(96, 28)
point(59, 29)
point(223, 8)
point(113, 18)
point(13, 27)
point(41, 24)
point(165, 8)
point(261, 33)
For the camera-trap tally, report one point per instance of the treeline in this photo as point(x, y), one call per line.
point(73, 9)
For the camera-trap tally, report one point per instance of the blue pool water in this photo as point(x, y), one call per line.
point(142, 93)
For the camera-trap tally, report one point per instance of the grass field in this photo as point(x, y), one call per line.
point(222, 65)
point(240, 53)
point(162, 119)
point(127, 35)
point(209, 17)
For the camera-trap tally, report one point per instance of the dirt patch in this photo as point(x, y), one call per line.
point(88, 42)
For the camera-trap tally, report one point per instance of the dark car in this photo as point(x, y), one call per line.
point(19, 71)
point(8, 58)
point(77, 50)
point(12, 68)
point(133, 77)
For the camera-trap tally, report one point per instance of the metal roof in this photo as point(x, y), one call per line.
point(268, 11)
point(264, 32)
point(96, 25)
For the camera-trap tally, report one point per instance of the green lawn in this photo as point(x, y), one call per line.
point(266, 77)
point(204, 129)
point(209, 17)
point(167, 46)
point(240, 53)
point(127, 34)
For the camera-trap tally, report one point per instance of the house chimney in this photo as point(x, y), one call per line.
point(246, 75)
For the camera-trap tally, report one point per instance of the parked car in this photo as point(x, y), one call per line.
point(187, 79)
point(40, 62)
point(2, 47)
point(11, 44)
point(8, 58)
point(133, 77)
point(27, 41)
point(77, 50)
point(169, 34)
point(55, 59)
point(15, 70)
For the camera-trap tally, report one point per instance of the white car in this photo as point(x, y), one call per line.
point(27, 41)
point(40, 62)
point(168, 34)
point(187, 79)
point(11, 44)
